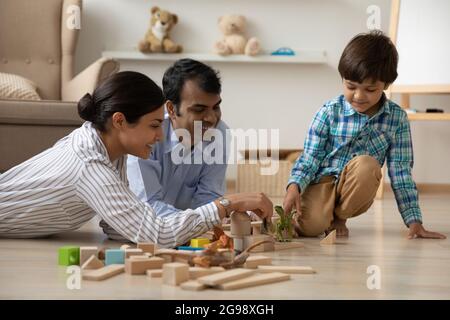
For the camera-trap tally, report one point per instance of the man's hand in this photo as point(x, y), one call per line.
point(416, 230)
point(292, 198)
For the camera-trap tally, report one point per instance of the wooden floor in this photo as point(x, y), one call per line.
point(410, 269)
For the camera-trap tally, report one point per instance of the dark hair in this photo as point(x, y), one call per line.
point(369, 56)
point(187, 69)
point(128, 92)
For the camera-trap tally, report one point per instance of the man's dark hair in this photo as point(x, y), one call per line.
point(187, 69)
point(369, 56)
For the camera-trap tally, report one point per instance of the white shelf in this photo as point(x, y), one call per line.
point(302, 56)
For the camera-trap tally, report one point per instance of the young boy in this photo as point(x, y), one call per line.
point(350, 137)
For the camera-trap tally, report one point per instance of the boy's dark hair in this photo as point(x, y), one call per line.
point(128, 92)
point(369, 56)
point(187, 69)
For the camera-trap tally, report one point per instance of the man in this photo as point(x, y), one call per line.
point(167, 180)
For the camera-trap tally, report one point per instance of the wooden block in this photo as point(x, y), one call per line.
point(166, 254)
point(175, 273)
point(197, 272)
point(140, 266)
point(133, 252)
point(86, 253)
point(253, 262)
point(199, 242)
point(141, 257)
point(256, 230)
point(125, 247)
point(92, 263)
point(154, 273)
point(103, 273)
point(329, 239)
point(255, 280)
point(287, 269)
point(226, 276)
point(265, 247)
point(288, 245)
point(192, 285)
point(147, 247)
point(240, 224)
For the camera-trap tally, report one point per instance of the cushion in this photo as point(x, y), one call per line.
point(16, 87)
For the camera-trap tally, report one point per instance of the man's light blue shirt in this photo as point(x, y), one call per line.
point(169, 187)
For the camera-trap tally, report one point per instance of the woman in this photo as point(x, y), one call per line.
point(84, 174)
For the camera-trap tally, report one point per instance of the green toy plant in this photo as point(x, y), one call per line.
point(284, 225)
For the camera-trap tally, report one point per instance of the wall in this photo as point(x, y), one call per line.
point(264, 95)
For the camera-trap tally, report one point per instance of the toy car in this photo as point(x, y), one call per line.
point(284, 51)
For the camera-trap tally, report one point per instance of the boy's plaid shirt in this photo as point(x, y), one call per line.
point(338, 133)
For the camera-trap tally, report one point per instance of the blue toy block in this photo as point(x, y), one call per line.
point(114, 256)
point(189, 248)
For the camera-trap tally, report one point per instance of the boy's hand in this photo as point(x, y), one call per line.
point(416, 230)
point(291, 199)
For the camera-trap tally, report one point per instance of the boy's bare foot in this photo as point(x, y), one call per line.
point(340, 227)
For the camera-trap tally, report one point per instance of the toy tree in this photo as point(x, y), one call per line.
point(284, 224)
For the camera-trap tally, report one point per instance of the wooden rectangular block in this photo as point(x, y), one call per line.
point(226, 276)
point(86, 253)
point(287, 269)
point(175, 273)
point(92, 263)
point(154, 273)
point(255, 280)
point(192, 285)
point(288, 245)
point(147, 247)
point(253, 262)
point(167, 254)
point(103, 273)
point(140, 266)
point(265, 247)
point(197, 272)
point(133, 252)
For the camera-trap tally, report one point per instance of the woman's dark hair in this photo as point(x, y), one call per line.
point(369, 56)
point(187, 69)
point(128, 92)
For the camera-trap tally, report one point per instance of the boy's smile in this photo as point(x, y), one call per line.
point(364, 97)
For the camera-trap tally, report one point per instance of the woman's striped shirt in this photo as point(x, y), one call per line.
point(65, 186)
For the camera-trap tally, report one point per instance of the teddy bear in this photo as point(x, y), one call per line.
point(157, 38)
point(234, 41)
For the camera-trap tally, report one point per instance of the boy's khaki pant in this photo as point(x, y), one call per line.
point(352, 196)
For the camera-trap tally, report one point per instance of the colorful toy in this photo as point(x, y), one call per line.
point(68, 256)
point(199, 242)
point(114, 256)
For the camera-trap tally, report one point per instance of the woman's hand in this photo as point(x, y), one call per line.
point(255, 201)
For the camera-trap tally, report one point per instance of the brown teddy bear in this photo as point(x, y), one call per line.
point(157, 38)
point(234, 42)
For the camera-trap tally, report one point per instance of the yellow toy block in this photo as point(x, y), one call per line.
point(199, 242)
